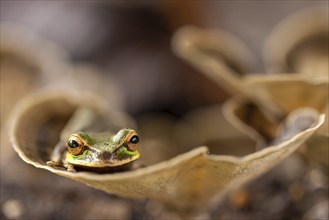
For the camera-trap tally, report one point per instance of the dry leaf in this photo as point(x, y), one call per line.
point(208, 126)
point(264, 100)
point(188, 182)
point(299, 44)
point(214, 51)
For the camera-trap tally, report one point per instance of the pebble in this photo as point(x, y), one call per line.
point(317, 179)
point(13, 209)
point(319, 211)
point(240, 198)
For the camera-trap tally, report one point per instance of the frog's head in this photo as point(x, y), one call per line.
point(102, 149)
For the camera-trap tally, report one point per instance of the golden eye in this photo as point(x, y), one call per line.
point(132, 140)
point(74, 145)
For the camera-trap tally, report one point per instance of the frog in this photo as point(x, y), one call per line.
point(96, 150)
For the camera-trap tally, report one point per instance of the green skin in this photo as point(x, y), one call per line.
point(102, 150)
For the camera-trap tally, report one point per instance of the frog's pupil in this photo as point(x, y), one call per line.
point(134, 139)
point(73, 144)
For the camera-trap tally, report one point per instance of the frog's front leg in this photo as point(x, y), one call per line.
point(57, 155)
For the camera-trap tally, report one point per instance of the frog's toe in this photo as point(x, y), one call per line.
point(52, 163)
point(70, 168)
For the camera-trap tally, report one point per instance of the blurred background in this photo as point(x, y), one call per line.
point(130, 42)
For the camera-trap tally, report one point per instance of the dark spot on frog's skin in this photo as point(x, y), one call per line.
point(107, 143)
point(107, 155)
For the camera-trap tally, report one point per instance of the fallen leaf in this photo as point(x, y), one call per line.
point(187, 183)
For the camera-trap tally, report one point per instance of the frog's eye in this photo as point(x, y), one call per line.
point(132, 140)
point(74, 145)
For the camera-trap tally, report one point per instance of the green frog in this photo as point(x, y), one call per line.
point(97, 151)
